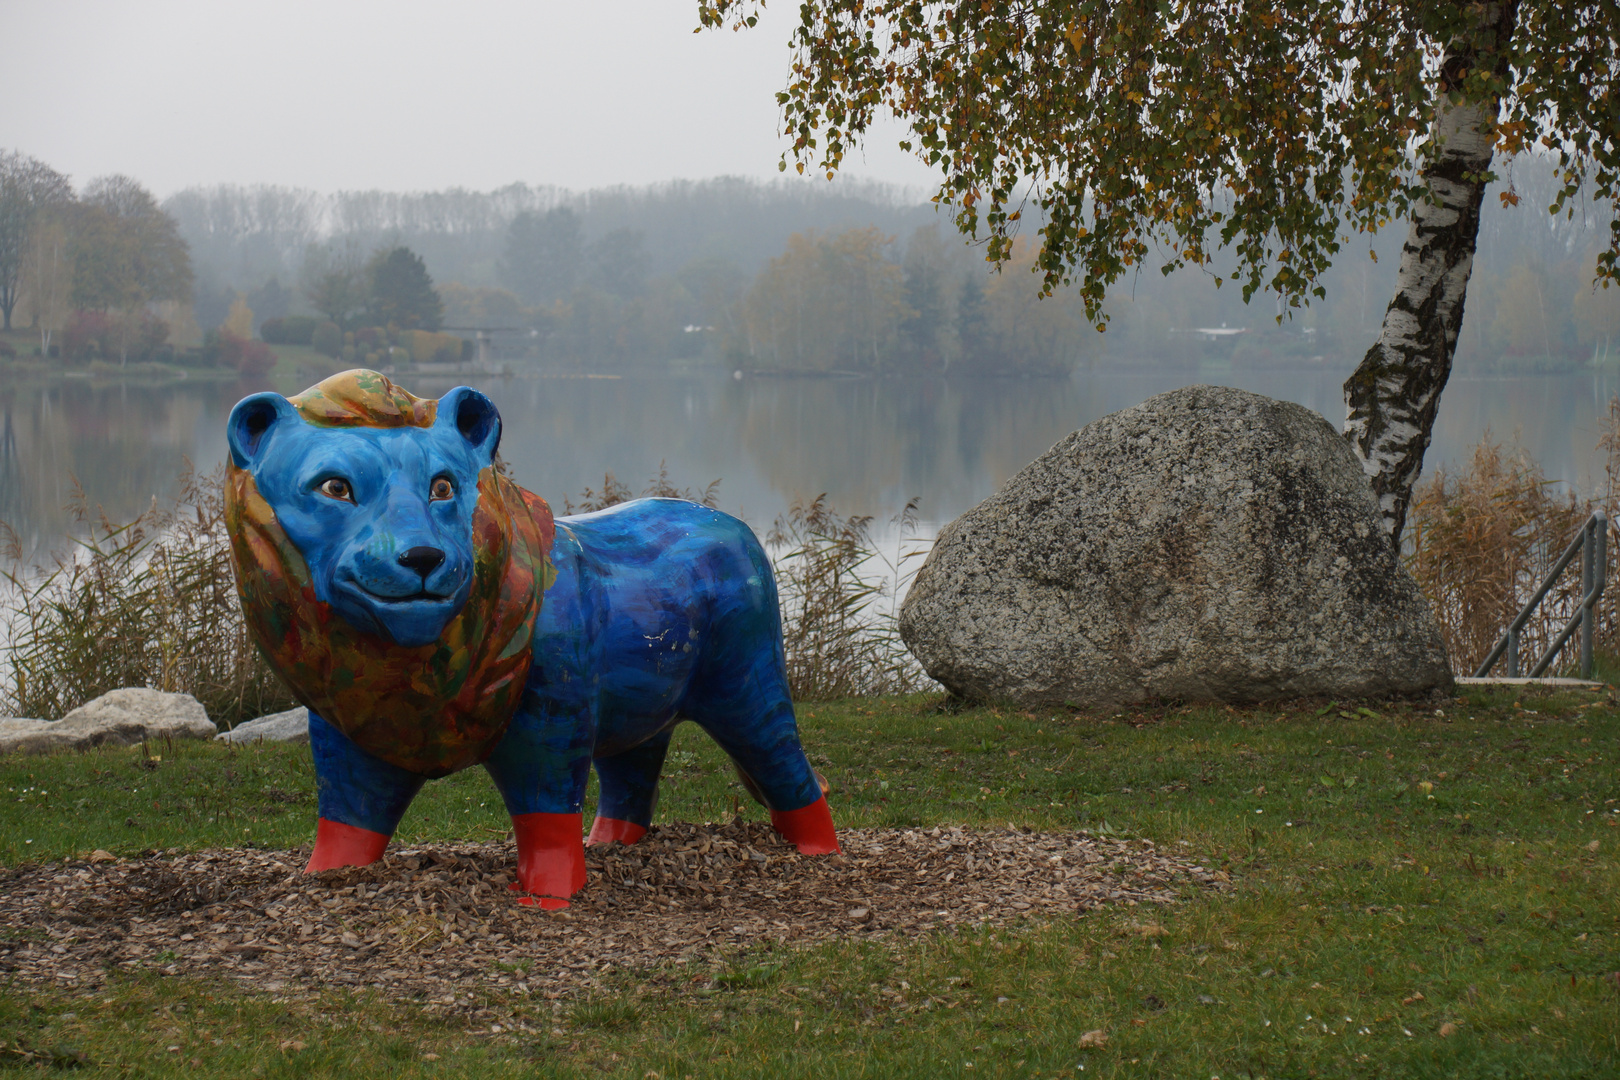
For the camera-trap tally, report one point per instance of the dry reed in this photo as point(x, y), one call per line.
point(148, 603)
point(1481, 540)
point(841, 639)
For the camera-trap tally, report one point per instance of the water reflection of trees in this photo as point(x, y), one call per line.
point(869, 443)
point(123, 443)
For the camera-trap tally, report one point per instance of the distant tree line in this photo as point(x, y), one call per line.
point(748, 275)
point(850, 300)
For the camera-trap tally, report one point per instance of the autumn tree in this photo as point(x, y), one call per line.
point(127, 252)
point(827, 303)
point(127, 255)
point(401, 292)
point(30, 192)
point(1248, 138)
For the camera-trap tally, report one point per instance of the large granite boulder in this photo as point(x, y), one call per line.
point(1207, 544)
point(290, 726)
point(118, 718)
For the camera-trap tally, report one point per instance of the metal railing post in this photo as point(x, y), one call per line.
point(1588, 549)
point(1513, 652)
point(1600, 578)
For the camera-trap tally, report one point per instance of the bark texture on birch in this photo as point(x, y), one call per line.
point(1393, 394)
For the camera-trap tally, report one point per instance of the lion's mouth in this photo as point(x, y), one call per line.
point(423, 597)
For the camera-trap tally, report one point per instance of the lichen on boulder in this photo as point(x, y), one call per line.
point(1207, 544)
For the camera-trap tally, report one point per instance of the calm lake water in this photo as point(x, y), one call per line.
point(870, 444)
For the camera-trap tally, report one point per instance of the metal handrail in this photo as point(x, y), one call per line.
point(1592, 544)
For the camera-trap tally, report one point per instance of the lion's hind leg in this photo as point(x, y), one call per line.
point(360, 799)
point(628, 783)
point(763, 743)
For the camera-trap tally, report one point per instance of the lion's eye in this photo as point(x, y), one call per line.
point(442, 489)
point(337, 488)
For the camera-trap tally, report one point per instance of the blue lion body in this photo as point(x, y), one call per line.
point(661, 611)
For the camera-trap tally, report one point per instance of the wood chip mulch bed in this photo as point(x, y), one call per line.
point(436, 923)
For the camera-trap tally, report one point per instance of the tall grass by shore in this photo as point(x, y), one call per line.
point(149, 602)
point(1482, 538)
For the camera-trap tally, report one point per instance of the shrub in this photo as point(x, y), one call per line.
point(221, 348)
point(100, 335)
point(148, 603)
point(1481, 540)
point(290, 330)
point(87, 335)
point(427, 346)
point(327, 339)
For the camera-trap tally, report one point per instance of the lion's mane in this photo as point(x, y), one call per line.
point(433, 709)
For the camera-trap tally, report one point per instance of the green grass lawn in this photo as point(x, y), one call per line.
point(1419, 892)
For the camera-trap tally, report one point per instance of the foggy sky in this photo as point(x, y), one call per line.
point(400, 95)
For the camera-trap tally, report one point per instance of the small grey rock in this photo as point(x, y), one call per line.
point(1207, 544)
point(118, 718)
point(290, 726)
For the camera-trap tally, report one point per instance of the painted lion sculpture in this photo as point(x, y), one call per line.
point(394, 579)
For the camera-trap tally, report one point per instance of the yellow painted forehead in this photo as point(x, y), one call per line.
point(362, 398)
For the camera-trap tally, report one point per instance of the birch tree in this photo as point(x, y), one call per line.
point(47, 277)
point(1252, 138)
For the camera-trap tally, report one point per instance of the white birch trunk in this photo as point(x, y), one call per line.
point(1393, 394)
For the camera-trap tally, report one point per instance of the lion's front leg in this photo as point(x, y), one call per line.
point(360, 799)
point(540, 767)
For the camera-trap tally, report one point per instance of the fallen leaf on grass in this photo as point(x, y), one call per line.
point(99, 855)
point(1594, 845)
point(1094, 1040)
point(293, 1045)
point(1416, 997)
point(430, 1057)
point(1447, 1029)
point(1149, 930)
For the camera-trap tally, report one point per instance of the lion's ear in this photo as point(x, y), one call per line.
point(475, 417)
point(251, 421)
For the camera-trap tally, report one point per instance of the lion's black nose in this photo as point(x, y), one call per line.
point(424, 560)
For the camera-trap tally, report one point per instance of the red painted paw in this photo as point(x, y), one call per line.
point(809, 828)
point(337, 844)
point(551, 857)
point(606, 830)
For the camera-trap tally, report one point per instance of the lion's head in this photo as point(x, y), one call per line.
point(391, 576)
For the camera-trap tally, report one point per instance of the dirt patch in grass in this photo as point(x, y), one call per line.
point(435, 923)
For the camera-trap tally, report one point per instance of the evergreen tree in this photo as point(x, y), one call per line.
point(925, 268)
point(402, 293)
point(543, 255)
point(972, 326)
